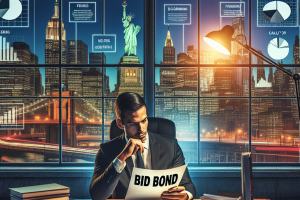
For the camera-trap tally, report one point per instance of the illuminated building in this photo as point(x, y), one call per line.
point(129, 79)
point(52, 79)
point(20, 82)
point(74, 80)
point(275, 119)
point(296, 58)
point(167, 80)
point(92, 83)
point(212, 57)
point(36, 81)
point(178, 82)
point(77, 52)
point(224, 82)
point(227, 115)
point(169, 50)
point(207, 57)
point(52, 49)
point(182, 111)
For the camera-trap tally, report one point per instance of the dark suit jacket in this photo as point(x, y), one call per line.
point(106, 181)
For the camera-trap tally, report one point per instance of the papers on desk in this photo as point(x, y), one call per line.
point(150, 184)
point(223, 195)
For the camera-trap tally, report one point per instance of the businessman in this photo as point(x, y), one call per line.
point(136, 147)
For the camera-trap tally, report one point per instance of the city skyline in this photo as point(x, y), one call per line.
point(224, 122)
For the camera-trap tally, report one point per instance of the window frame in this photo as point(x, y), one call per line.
point(61, 66)
point(249, 66)
point(149, 67)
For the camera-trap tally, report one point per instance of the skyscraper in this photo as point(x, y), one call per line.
point(52, 52)
point(52, 49)
point(177, 81)
point(24, 55)
point(97, 58)
point(296, 59)
point(20, 82)
point(239, 55)
point(261, 74)
point(77, 52)
point(169, 50)
point(92, 83)
point(38, 87)
point(270, 76)
point(74, 80)
point(260, 61)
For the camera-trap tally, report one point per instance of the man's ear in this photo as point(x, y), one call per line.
point(119, 124)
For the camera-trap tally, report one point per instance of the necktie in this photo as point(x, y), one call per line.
point(139, 160)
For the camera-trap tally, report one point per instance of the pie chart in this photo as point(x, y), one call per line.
point(10, 9)
point(276, 11)
point(278, 48)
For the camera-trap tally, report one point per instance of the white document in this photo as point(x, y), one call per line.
point(150, 184)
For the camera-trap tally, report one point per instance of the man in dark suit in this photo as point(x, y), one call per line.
point(139, 148)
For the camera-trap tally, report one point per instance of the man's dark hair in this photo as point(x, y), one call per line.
point(128, 101)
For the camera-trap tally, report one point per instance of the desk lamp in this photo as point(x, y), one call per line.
point(221, 41)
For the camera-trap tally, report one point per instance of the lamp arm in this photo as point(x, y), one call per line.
point(296, 77)
point(266, 59)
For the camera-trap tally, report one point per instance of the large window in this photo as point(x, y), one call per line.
point(224, 105)
point(62, 68)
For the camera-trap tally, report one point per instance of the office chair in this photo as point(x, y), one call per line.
point(155, 125)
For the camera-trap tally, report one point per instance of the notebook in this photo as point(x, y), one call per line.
point(39, 190)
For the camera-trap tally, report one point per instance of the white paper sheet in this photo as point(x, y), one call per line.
point(156, 181)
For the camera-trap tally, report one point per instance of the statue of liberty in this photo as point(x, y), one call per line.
point(130, 32)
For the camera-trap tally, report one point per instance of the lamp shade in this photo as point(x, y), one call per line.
point(220, 40)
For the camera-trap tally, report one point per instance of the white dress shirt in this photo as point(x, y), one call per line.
point(146, 155)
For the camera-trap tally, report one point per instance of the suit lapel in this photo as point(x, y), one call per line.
point(154, 148)
point(129, 166)
point(129, 162)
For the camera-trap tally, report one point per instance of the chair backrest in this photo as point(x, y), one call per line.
point(155, 125)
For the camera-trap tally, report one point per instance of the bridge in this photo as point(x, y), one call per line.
point(82, 133)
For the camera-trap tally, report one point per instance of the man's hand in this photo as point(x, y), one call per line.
point(175, 193)
point(133, 147)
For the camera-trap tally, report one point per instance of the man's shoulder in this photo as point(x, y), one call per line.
point(163, 138)
point(112, 144)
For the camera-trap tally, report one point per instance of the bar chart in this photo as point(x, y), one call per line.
point(7, 51)
point(11, 116)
